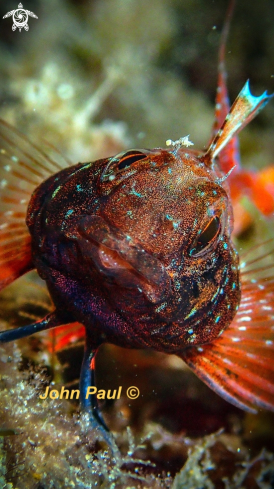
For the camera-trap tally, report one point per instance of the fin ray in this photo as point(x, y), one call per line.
point(229, 157)
point(239, 364)
point(22, 168)
point(243, 110)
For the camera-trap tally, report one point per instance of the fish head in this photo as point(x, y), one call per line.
point(161, 242)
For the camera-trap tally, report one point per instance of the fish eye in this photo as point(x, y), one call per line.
point(129, 158)
point(207, 237)
point(122, 161)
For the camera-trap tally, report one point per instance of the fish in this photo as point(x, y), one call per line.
point(138, 249)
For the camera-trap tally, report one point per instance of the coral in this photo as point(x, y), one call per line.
point(54, 447)
point(194, 472)
point(50, 445)
point(3, 461)
point(198, 471)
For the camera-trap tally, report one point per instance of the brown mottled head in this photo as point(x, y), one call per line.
point(162, 244)
point(141, 242)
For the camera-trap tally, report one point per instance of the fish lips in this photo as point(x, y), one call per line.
point(116, 256)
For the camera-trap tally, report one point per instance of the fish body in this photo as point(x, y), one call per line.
point(137, 248)
point(170, 283)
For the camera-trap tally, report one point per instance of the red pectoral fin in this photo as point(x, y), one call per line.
point(64, 336)
point(239, 364)
point(22, 168)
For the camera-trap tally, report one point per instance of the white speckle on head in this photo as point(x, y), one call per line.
point(111, 177)
point(261, 287)
point(236, 339)
point(269, 342)
point(242, 328)
point(14, 158)
point(4, 225)
point(8, 213)
point(3, 151)
point(23, 201)
point(7, 167)
point(192, 338)
point(267, 308)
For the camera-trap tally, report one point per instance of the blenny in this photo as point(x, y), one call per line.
point(137, 248)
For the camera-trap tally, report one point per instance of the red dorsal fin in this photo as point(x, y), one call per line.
point(229, 157)
point(230, 121)
point(243, 110)
point(22, 168)
point(222, 104)
point(239, 364)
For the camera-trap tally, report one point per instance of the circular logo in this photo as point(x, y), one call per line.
point(133, 392)
point(20, 18)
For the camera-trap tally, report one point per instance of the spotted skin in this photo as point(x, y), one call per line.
point(86, 235)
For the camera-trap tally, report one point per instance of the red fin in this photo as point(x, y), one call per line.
point(229, 122)
point(229, 157)
point(64, 336)
point(262, 191)
point(22, 168)
point(243, 111)
point(239, 364)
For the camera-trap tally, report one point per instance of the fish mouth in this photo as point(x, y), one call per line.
point(110, 259)
point(117, 257)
